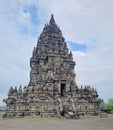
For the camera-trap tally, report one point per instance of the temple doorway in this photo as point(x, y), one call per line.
point(62, 89)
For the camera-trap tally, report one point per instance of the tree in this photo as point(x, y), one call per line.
point(109, 106)
point(102, 105)
point(106, 106)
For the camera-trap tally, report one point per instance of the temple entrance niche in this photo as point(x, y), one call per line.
point(62, 89)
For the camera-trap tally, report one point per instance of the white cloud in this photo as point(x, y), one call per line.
point(82, 18)
point(82, 21)
point(1, 99)
point(95, 67)
point(15, 53)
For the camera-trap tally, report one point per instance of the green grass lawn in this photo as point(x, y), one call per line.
point(1, 113)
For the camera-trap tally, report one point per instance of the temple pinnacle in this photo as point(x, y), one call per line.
point(52, 20)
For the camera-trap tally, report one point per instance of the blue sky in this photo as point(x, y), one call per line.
point(33, 11)
point(73, 46)
point(86, 25)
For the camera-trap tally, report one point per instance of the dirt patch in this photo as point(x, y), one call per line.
point(56, 124)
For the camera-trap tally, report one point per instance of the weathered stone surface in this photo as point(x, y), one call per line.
point(52, 89)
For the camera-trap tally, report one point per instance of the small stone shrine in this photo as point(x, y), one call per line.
point(52, 90)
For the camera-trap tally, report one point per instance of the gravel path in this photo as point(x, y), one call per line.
point(57, 124)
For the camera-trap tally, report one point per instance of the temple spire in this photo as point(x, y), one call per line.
point(52, 20)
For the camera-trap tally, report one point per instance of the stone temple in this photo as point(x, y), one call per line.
point(52, 89)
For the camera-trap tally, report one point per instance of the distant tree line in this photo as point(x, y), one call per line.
point(2, 108)
point(107, 107)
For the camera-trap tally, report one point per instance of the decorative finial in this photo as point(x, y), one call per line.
point(52, 21)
